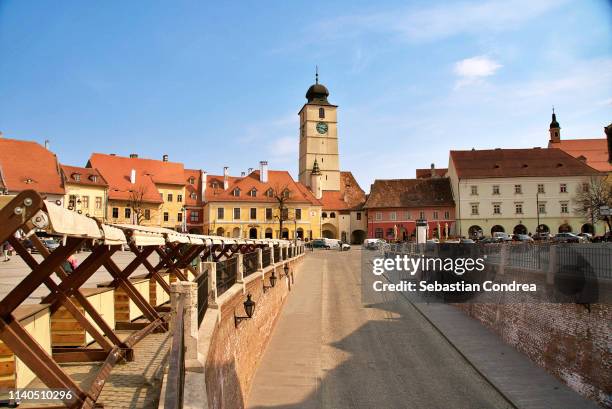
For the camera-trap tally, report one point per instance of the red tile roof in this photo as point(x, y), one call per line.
point(426, 173)
point(595, 151)
point(501, 163)
point(149, 172)
point(350, 196)
point(410, 193)
point(28, 165)
point(277, 179)
point(86, 176)
point(195, 187)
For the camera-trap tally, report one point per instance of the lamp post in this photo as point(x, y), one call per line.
point(249, 307)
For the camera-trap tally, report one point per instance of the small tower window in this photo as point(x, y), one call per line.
point(321, 112)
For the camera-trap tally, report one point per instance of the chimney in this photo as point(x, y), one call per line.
point(204, 183)
point(242, 174)
point(225, 178)
point(133, 176)
point(250, 171)
point(47, 144)
point(165, 158)
point(133, 155)
point(608, 130)
point(433, 170)
point(263, 171)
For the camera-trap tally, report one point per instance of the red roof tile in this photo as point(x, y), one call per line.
point(193, 188)
point(86, 176)
point(595, 151)
point(117, 169)
point(410, 193)
point(501, 163)
point(28, 165)
point(277, 179)
point(350, 196)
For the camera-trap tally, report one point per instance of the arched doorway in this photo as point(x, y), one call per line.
point(587, 228)
point(357, 236)
point(497, 229)
point(268, 233)
point(236, 232)
point(543, 229)
point(220, 231)
point(520, 229)
point(475, 232)
point(300, 233)
point(285, 233)
point(328, 231)
point(252, 233)
point(565, 228)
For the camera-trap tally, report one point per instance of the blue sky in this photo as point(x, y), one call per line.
point(216, 84)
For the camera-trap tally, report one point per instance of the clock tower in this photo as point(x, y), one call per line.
point(319, 139)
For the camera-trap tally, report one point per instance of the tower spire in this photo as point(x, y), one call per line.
point(316, 74)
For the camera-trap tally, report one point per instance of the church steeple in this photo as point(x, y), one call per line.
point(555, 129)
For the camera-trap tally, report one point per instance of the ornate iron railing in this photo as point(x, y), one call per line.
point(227, 271)
point(249, 263)
point(202, 281)
point(266, 256)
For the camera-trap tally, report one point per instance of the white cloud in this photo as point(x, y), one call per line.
point(473, 70)
point(476, 67)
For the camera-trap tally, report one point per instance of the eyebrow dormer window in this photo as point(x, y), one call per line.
point(321, 113)
point(253, 192)
point(236, 192)
point(214, 185)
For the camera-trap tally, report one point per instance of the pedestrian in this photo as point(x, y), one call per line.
point(5, 250)
point(73, 262)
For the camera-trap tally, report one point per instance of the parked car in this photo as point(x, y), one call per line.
point(50, 244)
point(373, 244)
point(607, 237)
point(522, 238)
point(586, 236)
point(319, 244)
point(542, 236)
point(466, 241)
point(337, 244)
point(489, 240)
point(502, 236)
point(432, 241)
point(567, 238)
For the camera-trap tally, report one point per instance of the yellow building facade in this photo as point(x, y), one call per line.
point(86, 191)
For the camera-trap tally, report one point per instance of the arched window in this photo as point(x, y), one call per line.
point(332, 215)
point(321, 113)
point(324, 215)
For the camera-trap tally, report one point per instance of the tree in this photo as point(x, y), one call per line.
point(282, 194)
point(591, 197)
point(136, 203)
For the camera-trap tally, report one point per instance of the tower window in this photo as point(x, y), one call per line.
point(321, 113)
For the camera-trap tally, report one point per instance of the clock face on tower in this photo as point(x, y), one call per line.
point(322, 127)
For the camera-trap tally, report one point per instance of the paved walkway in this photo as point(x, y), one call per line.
point(134, 384)
point(330, 351)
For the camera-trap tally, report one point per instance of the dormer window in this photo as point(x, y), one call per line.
point(191, 180)
point(76, 177)
point(236, 192)
point(286, 193)
point(194, 195)
point(214, 185)
point(93, 178)
point(270, 193)
point(253, 192)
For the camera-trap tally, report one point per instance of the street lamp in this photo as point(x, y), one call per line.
point(249, 307)
point(272, 282)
